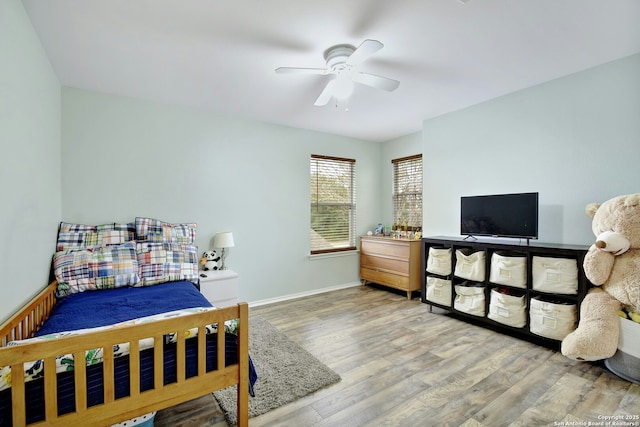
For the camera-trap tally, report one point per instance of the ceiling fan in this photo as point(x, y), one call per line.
point(342, 61)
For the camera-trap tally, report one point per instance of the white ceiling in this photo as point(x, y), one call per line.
point(220, 55)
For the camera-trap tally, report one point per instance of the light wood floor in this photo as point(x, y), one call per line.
point(404, 366)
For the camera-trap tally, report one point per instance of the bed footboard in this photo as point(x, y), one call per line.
point(138, 402)
point(28, 320)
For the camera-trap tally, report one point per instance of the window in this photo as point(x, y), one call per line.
point(333, 204)
point(407, 191)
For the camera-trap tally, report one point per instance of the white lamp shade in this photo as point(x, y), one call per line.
point(223, 239)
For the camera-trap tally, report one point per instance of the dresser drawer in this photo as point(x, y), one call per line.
point(386, 248)
point(383, 278)
point(397, 266)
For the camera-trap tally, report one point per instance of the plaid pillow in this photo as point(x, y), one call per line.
point(153, 230)
point(95, 268)
point(166, 262)
point(79, 236)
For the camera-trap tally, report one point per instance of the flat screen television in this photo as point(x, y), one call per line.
point(500, 215)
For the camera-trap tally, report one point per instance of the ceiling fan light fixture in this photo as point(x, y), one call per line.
point(343, 86)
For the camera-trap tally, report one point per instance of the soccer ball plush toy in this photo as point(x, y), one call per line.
point(613, 265)
point(209, 260)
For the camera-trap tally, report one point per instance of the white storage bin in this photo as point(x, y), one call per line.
point(507, 309)
point(508, 270)
point(471, 266)
point(555, 275)
point(439, 291)
point(552, 320)
point(439, 261)
point(469, 299)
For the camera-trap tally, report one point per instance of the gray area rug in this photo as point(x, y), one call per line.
point(286, 372)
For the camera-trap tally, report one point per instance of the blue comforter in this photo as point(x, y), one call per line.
point(92, 309)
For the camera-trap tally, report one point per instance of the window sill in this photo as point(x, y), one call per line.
point(333, 254)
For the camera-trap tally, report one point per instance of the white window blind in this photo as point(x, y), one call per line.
point(407, 191)
point(333, 204)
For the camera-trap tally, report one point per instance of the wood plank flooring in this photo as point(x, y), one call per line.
point(404, 366)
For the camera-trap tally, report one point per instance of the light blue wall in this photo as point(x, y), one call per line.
point(30, 161)
point(123, 158)
point(575, 140)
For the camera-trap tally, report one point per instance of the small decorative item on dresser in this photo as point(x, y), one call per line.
point(223, 240)
point(209, 260)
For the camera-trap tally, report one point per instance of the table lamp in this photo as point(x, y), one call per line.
point(223, 240)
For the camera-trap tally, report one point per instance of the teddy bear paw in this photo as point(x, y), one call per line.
point(586, 347)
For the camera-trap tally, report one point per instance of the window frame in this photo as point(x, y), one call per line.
point(397, 196)
point(350, 204)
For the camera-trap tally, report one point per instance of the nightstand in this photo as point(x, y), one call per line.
point(220, 287)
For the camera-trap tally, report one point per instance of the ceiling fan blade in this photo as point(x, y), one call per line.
point(294, 70)
point(326, 95)
point(378, 82)
point(364, 51)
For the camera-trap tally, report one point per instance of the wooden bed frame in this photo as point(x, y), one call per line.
point(29, 319)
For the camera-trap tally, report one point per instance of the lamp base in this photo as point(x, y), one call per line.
point(223, 256)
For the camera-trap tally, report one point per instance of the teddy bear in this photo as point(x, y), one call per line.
point(612, 265)
point(209, 260)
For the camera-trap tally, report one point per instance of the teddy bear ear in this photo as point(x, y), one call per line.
point(591, 209)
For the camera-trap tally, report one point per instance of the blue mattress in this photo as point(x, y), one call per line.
point(100, 308)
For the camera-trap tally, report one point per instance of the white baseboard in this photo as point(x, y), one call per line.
point(303, 294)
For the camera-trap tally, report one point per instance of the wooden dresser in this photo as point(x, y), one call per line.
point(391, 262)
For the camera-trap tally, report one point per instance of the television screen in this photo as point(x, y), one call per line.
point(500, 215)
